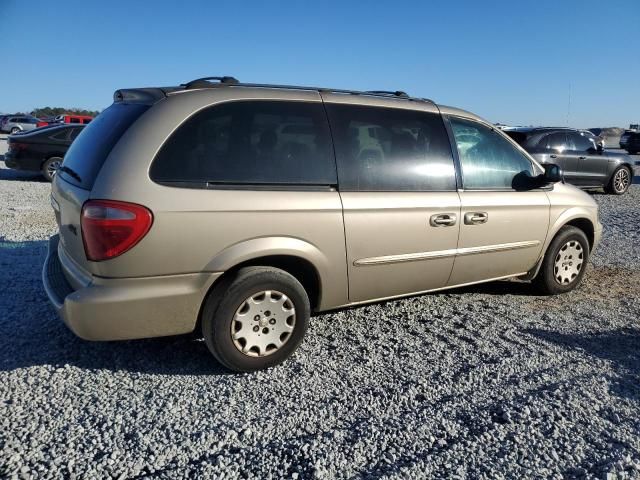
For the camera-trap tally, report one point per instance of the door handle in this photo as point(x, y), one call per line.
point(554, 156)
point(443, 220)
point(475, 218)
point(582, 158)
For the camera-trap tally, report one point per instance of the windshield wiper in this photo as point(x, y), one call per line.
point(70, 171)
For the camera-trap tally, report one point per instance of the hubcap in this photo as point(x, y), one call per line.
point(263, 323)
point(621, 180)
point(568, 262)
point(52, 168)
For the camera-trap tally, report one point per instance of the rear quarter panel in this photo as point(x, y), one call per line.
point(207, 230)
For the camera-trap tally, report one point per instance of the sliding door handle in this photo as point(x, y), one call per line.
point(475, 218)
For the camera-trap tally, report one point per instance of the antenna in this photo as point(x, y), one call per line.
point(569, 104)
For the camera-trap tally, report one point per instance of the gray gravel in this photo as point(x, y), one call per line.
point(484, 382)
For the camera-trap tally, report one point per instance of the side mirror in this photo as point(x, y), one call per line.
point(552, 173)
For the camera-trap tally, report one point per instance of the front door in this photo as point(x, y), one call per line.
point(503, 223)
point(592, 164)
point(401, 208)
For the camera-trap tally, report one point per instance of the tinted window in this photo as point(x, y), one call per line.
point(61, 135)
point(90, 150)
point(74, 120)
point(555, 141)
point(387, 149)
point(488, 160)
point(581, 143)
point(74, 133)
point(251, 142)
point(86, 120)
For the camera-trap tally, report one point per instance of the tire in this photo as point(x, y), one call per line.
point(49, 167)
point(229, 302)
point(620, 181)
point(14, 130)
point(569, 247)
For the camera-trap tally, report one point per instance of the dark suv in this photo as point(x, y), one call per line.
point(585, 164)
point(632, 144)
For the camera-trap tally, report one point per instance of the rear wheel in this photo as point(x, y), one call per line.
point(50, 167)
point(564, 262)
point(255, 319)
point(620, 181)
point(14, 130)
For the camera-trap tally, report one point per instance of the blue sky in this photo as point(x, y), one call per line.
point(509, 61)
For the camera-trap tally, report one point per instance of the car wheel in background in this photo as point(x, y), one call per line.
point(50, 166)
point(255, 319)
point(620, 181)
point(564, 262)
point(14, 130)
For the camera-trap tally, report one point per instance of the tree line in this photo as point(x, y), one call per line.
point(44, 112)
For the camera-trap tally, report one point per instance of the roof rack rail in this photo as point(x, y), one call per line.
point(397, 93)
point(206, 82)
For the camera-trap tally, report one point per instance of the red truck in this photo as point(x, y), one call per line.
point(66, 118)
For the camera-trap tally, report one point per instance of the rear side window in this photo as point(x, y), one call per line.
point(556, 141)
point(74, 120)
point(61, 135)
point(89, 151)
point(250, 142)
point(389, 149)
point(488, 160)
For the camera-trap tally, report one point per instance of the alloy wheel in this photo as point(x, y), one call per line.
point(621, 180)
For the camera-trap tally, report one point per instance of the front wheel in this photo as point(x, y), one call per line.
point(564, 262)
point(620, 181)
point(50, 167)
point(255, 319)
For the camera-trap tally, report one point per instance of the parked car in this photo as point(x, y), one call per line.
point(181, 209)
point(19, 123)
point(584, 163)
point(596, 139)
point(66, 118)
point(632, 144)
point(41, 150)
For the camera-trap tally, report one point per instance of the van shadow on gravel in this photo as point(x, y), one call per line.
point(20, 175)
point(620, 347)
point(31, 334)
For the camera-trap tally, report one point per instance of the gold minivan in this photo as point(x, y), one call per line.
point(238, 210)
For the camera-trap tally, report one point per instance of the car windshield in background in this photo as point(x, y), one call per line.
point(89, 151)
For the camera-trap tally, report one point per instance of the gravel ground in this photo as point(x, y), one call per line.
point(482, 382)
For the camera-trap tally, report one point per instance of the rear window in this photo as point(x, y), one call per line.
point(519, 137)
point(250, 142)
point(89, 151)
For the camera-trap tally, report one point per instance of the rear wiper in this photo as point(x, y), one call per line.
point(70, 171)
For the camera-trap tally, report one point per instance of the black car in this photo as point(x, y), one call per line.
point(633, 143)
point(585, 163)
point(41, 150)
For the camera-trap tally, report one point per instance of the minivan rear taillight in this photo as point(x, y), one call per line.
point(110, 228)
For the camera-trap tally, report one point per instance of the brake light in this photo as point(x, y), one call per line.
point(14, 147)
point(110, 228)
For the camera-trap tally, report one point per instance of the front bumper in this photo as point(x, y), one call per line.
point(597, 236)
point(124, 308)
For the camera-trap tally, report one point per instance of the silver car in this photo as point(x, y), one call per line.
point(17, 124)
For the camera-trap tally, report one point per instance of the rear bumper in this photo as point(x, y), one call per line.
point(19, 163)
point(126, 308)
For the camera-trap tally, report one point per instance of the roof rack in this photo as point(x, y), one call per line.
point(397, 93)
point(206, 82)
